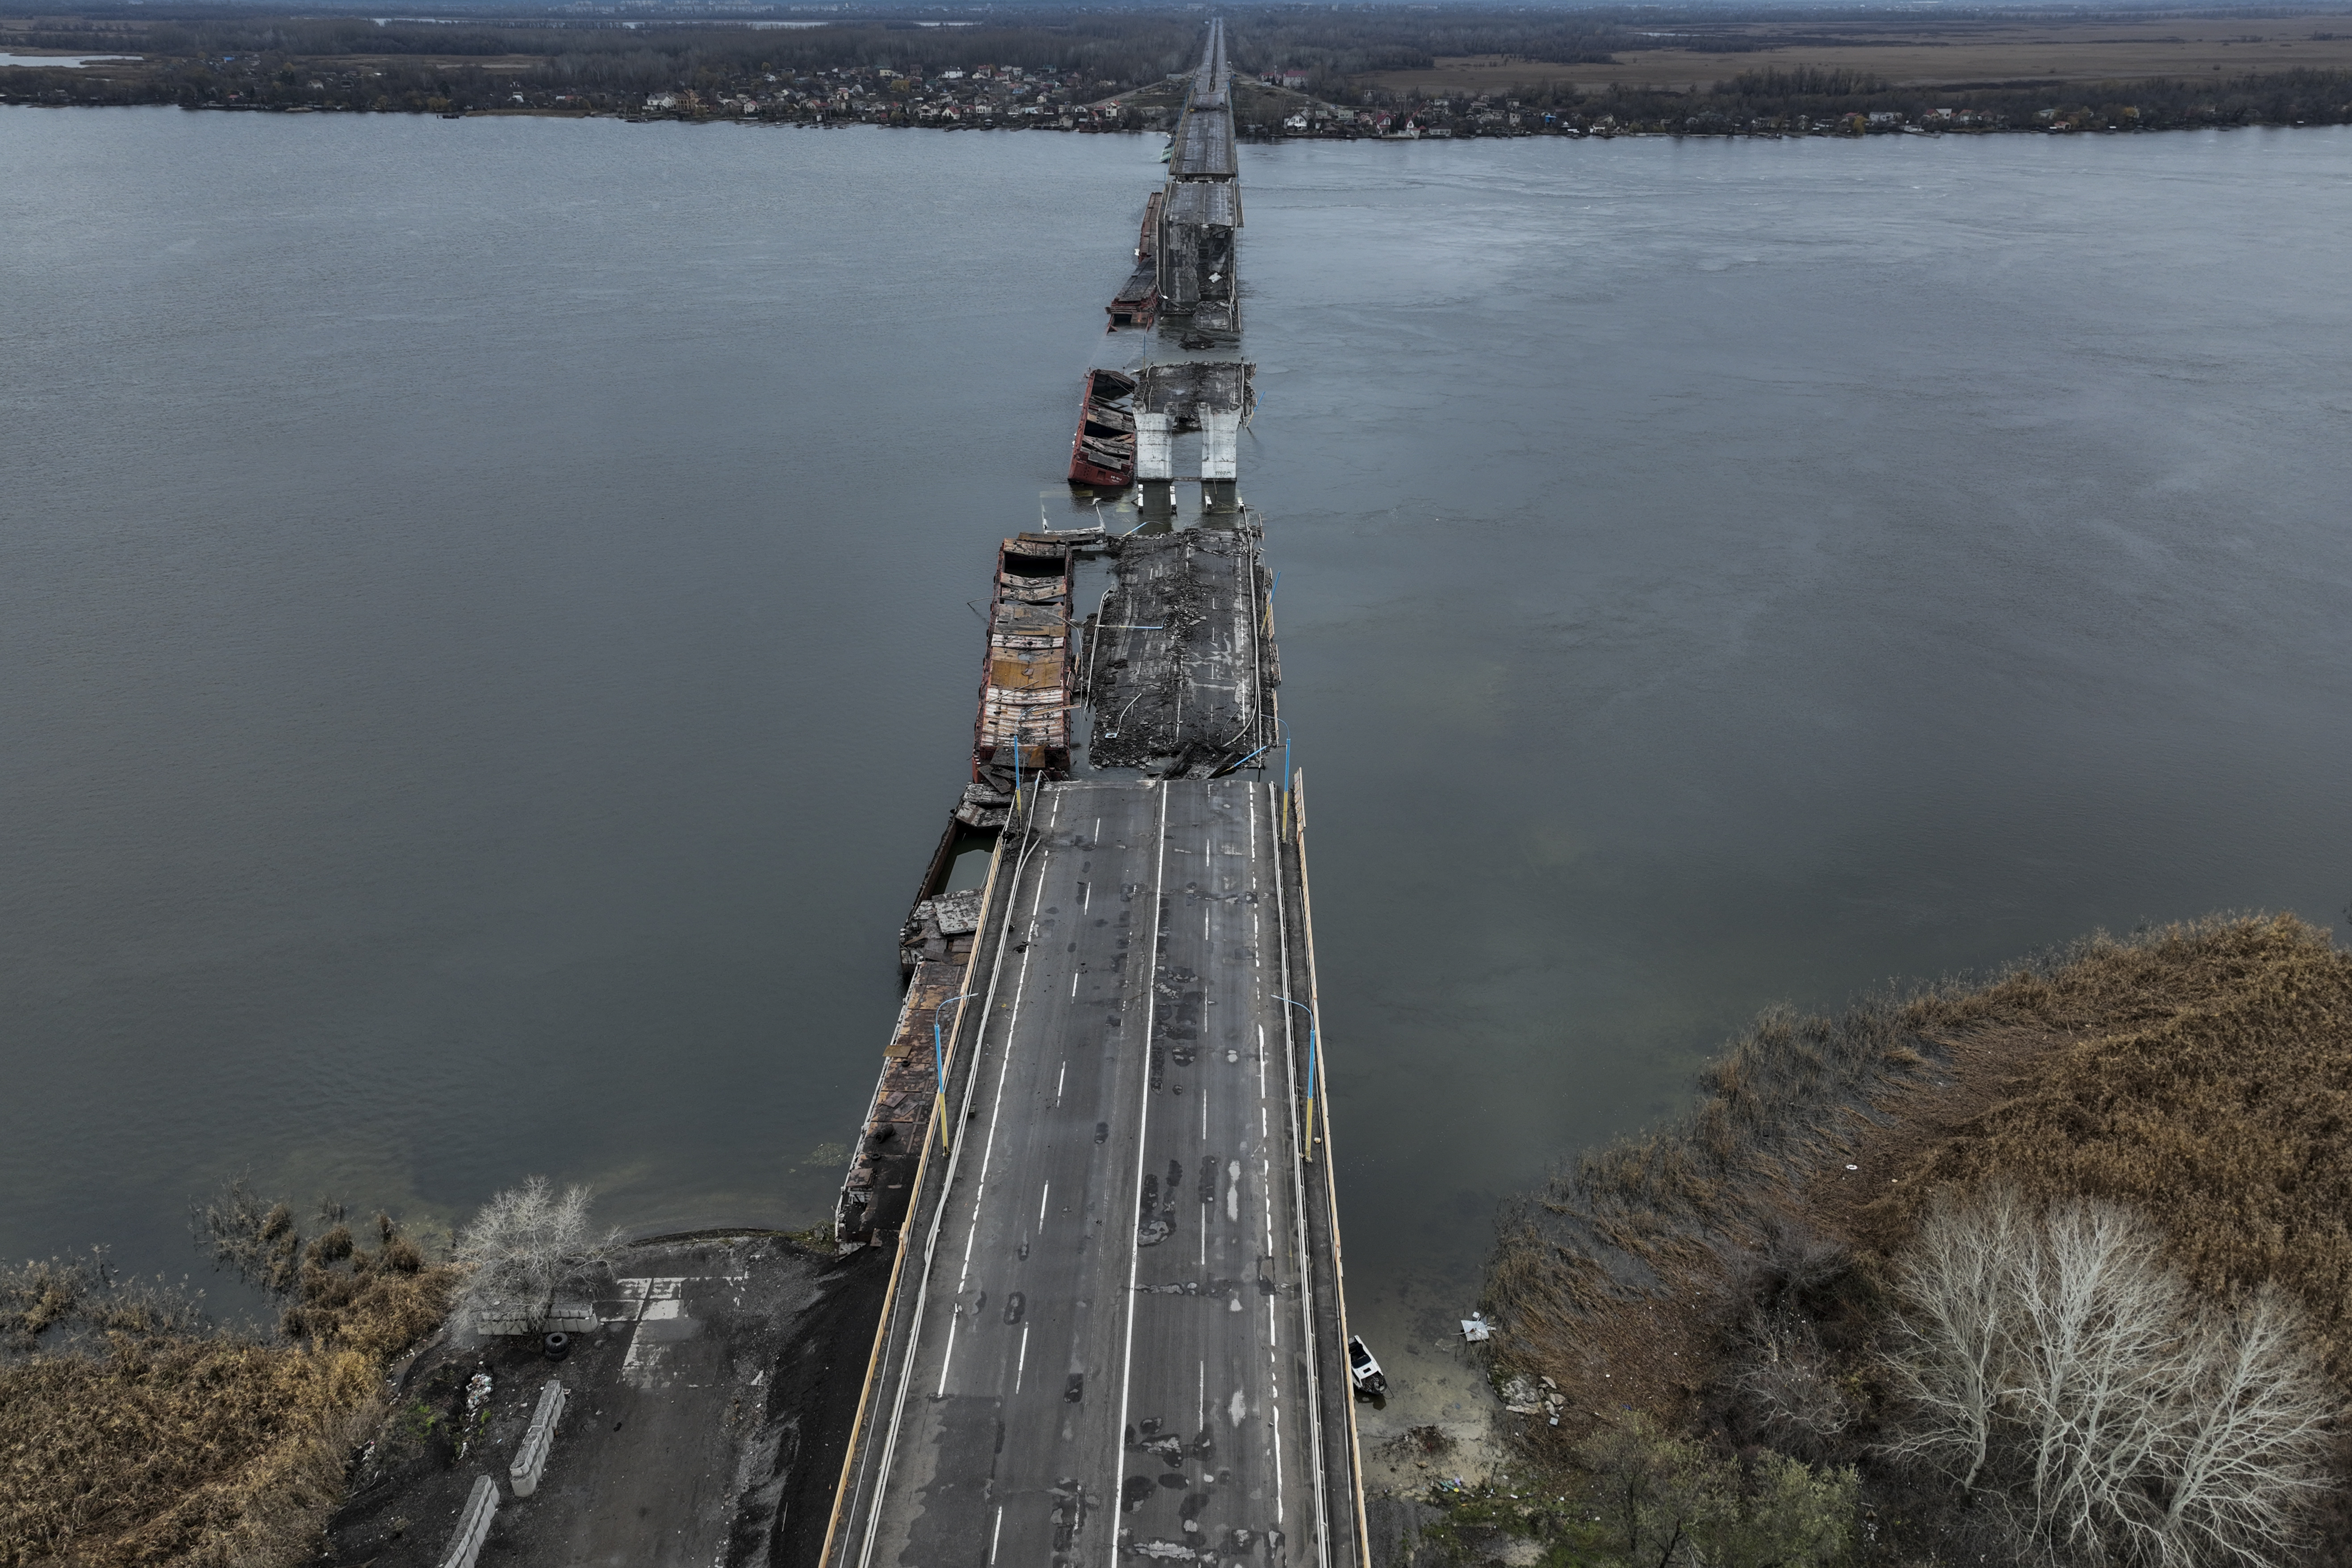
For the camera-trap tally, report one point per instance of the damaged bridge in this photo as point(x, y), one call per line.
point(1099, 1152)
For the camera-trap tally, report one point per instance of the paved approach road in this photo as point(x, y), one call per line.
point(1112, 1356)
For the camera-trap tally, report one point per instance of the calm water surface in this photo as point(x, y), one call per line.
point(484, 616)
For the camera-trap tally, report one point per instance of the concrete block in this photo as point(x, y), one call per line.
point(530, 1455)
point(473, 1525)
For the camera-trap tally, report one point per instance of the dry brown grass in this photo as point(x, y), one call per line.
point(2202, 1073)
point(2207, 1083)
point(200, 1451)
point(130, 1435)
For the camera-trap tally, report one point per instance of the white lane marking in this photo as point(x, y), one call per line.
point(1142, 1129)
point(1061, 1078)
point(988, 1150)
point(1023, 1366)
point(994, 1534)
point(1261, 1068)
point(1041, 1207)
point(1279, 1518)
point(1074, 986)
point(1265, 1186)
point(1201, 1400)
point(881, 1457)
point(1086, 894)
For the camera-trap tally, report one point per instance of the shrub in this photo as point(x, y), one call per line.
point(1654, 1500)
point(527, 1243)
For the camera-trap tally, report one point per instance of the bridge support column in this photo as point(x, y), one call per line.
point(1221, 444)
point(1155, 447)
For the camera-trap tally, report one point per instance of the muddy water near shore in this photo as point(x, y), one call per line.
point(484, 611)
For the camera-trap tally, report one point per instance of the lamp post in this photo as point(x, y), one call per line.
point(939, 1067)
point(1313, 1029)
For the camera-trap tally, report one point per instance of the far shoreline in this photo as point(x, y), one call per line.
point(1622, 131)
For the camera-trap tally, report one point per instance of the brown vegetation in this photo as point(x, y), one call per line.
point(1738, 1273)
point(2205, 1079)
point(132, 1433)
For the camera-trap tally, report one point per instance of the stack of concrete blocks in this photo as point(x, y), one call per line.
point(473, 1525)
point(502, 1317)
point(531, 1457)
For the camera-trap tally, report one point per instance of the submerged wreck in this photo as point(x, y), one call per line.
point(1023, 732)
point(1102, 454)
point(1137, 303)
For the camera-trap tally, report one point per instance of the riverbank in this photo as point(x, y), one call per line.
point(709, 1406)
point(1733, 1277)
point(705, 1417)
point(135, 1429)
point(1852, 110)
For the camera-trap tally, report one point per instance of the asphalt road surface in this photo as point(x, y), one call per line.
point(1111, 1354)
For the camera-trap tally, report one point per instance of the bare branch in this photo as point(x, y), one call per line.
point(2051, 1364)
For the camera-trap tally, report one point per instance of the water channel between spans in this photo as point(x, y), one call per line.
point(486, 616)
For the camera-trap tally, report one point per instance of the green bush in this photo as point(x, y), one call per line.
point(1654, 1500)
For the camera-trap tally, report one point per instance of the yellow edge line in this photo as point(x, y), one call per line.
point(1330, 1187)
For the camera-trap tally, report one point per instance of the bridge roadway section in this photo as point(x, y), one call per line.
point(1107, 1342)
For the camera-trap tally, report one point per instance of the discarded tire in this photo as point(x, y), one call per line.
point(556, 1346)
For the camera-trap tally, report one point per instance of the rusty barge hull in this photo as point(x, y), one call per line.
point(1023, 729)
point(1102, 453)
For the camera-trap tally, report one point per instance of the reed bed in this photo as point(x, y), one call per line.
point(2201, 1071)
point(133, 1433)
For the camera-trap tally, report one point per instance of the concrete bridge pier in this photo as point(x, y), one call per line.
point(1155, 446)
point(1221, 444)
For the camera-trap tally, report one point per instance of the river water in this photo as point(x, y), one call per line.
point(486, 645)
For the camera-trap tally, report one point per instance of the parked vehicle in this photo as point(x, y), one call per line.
point(1364, 1372)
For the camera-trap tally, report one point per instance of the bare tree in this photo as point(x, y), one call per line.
point(2050, 1364)
point(529, 1242)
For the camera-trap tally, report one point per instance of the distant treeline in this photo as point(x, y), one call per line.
point(1777, 99)
point(1127, 50)
point(255, 60)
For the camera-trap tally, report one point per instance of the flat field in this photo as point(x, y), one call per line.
point(1935, 52)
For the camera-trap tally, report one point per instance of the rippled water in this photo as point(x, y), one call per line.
point(484, 610)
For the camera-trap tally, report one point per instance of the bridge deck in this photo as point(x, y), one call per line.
point(1110, 1351)
point(1180, 669)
